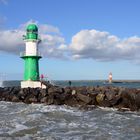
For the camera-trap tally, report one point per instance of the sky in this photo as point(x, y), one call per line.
point(81, 39)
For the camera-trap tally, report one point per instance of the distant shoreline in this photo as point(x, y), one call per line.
point(113, 81)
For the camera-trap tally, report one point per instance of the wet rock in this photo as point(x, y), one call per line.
point(50, 100)
point(75, 96)
point(7, 98)
point(86, 99)
point(1, 89)
point(93, 99)
point(22, 95)
point(105, 103)
point(110, 95)
point(34, 92)
point(120, 90)
point(14, 91)
point(15, 99)
point(63, 97)
point(137, 100)
point(59, 99)
point(128, 99)
point(102, 101)
point(54, 98)
point(116, 100)
point(31, 95)
point(90, 89)
point(55, 89)
point(30, 100)
point(71, 101)
point(81, 90)
point(42, 93)
point(100, 98)
point(43, 100)
point(58, 102)
point(101, 89)
point(67, 90)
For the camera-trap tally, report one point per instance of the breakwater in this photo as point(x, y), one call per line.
point(86, 97)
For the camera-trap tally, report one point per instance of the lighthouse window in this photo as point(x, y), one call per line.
point(28, 30)
point(31, 31)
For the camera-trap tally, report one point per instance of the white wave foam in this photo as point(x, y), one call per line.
point(15, 127)
point(108, 108)
point(56, 108)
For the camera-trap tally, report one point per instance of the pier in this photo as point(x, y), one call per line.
point(87, 97)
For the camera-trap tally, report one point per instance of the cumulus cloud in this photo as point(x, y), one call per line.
point(102, 46)
point(86, 44)
point(11, 40)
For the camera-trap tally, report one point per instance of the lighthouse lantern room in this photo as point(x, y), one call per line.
point(31, 57)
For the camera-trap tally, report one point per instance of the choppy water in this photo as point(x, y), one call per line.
point(39, 122)
point(20, 121)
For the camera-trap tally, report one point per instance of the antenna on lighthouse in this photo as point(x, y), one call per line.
point(110, 77)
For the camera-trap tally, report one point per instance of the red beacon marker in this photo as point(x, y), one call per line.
point(110, 77)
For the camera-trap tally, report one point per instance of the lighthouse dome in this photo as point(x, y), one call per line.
point(32, 27)
point(32, 32)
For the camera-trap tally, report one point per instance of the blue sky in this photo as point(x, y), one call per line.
point(89, 38)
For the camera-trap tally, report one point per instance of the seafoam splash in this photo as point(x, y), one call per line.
point(38, 121)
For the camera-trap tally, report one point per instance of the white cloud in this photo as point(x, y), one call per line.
point(44, 28)
point(11, 40)
point(86, 44)
point(103, 46)
point(50, 46)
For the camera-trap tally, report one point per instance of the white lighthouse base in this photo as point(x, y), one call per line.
point(32, 84)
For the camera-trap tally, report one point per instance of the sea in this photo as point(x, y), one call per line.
point(19, 121)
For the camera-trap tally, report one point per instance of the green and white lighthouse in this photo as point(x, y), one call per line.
point(31, 57)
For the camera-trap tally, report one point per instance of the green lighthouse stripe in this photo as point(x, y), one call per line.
point(31, 71)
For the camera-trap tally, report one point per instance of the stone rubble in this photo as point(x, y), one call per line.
point(83, 97)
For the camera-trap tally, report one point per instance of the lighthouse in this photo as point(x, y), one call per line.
point(31, 58)
point(110, 77)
